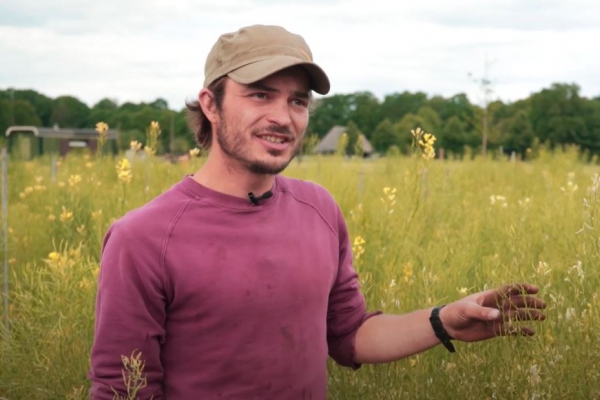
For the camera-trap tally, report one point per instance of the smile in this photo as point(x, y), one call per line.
point(274, 139)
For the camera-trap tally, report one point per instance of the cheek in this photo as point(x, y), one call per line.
point(301, 122)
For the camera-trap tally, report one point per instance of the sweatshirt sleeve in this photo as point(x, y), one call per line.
point(130, 312)
point(347, 306)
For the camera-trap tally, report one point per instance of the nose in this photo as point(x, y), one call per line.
point(280, 113)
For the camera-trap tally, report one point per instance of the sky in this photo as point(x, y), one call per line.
point(138, 51)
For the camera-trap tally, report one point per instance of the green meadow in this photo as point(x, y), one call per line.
point(424, 232)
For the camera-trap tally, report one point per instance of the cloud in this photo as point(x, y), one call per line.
point(138, 51)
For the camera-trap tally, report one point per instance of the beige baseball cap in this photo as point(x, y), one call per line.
point(255, 52)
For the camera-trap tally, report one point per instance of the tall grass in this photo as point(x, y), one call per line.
point(423, 233)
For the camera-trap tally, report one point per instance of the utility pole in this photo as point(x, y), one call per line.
point(486, 89)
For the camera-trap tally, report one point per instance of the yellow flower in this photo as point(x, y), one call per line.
point(124, 171)
point(38, 179)
point(81, 229)
point(74, 180)
point(89, 165)
point(54, 256)
point(96, 214)
point(149, 150)
point(195, 152)
point(66, 215)
point(101, 128)
point(28, 190)
point(135, 145)
point(463, 290)
point(12, 261)
point(61, 184)
point(154, 125)
point(359, 241)
point(51, 217)
point(416, 133)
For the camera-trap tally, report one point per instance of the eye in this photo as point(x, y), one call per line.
point(300, 102)
point(260, 95)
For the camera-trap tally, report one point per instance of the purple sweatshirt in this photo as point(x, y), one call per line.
point(225, 299)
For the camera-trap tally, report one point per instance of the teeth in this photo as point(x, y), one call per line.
point(273, 139)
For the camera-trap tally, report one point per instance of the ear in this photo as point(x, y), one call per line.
point(206, 100)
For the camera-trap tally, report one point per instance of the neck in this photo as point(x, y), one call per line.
point(221, 175)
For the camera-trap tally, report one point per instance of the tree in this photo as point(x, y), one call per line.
point(397, 105)
point(520, 134)
point(555, 114)
point(403, 130)
point(353, 135)
point(69, 112)
point(455, 137)
point(384, 136)
point(432, 123)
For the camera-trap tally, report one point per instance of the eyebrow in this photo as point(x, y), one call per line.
point(261, 86)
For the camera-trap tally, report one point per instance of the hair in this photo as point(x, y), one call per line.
point(201, 126)
point(196, 119)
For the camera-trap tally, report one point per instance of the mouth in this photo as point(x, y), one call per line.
point(275, 141)
point(275, 138)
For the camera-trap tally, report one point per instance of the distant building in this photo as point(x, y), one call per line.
point(27, 142)
point(328, 144)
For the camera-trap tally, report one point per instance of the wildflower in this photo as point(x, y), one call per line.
point(96, 214)
point(102, 129)
point(149, 150)
point(135, 146)
point(414, 362)
point(74, 180)
point(393, 283)
point(28, 190)
point(51, 217)
point(54, 256)
point(81, 229)
point(61, 184)
point(66, 215)
point(358, 248)
point(195, 152)
point(408, 271)
point(501, 200)
point(12, 261)
point(425, 143)
point(359, 241)
point(124, 171)
point(534, 375)
point(89, 165)
point(22, 195)
point(463, 291)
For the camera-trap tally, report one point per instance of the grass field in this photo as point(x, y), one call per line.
point(423, 233)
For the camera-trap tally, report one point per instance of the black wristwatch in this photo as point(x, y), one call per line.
point(439, 330)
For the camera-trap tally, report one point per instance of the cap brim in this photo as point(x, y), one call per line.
point(258, 70)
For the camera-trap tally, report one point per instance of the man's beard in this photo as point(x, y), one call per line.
point(238, 148)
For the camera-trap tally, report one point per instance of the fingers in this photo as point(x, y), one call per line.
point(517, 301)
point(523, 315)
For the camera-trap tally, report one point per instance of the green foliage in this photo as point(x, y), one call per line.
point(353, 136)
point(69, 112)
point(384, 136)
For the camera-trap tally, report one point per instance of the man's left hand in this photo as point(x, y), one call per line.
point(494, 312)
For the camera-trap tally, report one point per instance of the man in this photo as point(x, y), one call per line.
point(237, 283)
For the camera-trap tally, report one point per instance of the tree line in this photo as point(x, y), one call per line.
point(557, 116)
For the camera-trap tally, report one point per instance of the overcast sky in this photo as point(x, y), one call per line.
point(139, 50)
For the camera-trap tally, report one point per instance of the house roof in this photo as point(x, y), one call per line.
point(60, 133)
point(330, 141)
